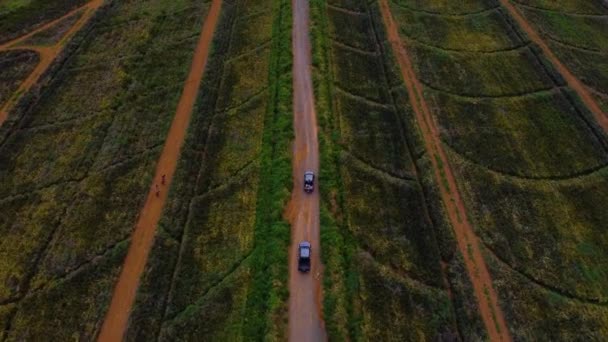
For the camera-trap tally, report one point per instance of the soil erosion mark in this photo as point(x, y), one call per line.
point(47, 53)
point(571, 80)
point(468, 242)
point(116, 319)
point(305, 297)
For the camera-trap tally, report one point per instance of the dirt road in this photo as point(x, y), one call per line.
point(468, 243)
point(572, 81)
point(115, 323)
point(305, 294)
point(47, 53)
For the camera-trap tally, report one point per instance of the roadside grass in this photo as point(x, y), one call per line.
point(17, 17)
point(217, 270)
point(15, 66)
point(53, 34)
point(530, 162)
point(85, 163)
point(381, 234)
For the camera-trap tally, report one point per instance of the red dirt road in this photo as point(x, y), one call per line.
point(305, 294)
point(47, 53)
point(468, 243)
point(115, 323)
point(571, 80)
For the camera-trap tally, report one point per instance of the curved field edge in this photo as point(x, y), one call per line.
point(87, 211)
point(342, 257)
point(246, 298)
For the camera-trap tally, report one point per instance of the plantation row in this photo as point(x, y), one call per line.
point(218, 267)
point(18, 17)
point(15, 66)
point(577, 32)
point(389, 254)
point(529, 158)
point(76, 161)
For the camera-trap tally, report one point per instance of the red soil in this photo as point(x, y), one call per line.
point(468, 242)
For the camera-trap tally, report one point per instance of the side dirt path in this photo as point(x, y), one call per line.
point(115, 323)
point(305, 316)
point(468, 243)
point(47, 53)
point(571, 80)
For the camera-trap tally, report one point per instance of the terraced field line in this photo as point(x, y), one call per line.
point(572, 81)
point(116, 319)
point(468, 243)
point(305, 296)
point(47, 53)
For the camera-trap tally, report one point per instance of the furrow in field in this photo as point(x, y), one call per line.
point(114, 325)
point(468, 242)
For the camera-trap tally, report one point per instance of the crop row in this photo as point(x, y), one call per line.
point(529, 158)
point(76, 164)
point(20, 16)
point(217, 270)
point(15, 66)
point(390, 259)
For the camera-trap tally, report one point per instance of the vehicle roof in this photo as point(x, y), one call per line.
point(305, 252)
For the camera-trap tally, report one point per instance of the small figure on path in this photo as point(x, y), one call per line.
point(162, 181)
point(157, 191)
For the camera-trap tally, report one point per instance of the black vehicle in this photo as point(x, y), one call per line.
point(309, 181)
point(304, 256)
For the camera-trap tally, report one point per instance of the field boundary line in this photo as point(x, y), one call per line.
point(123, 297)
point(468, 243)
point(573, 82)
point(366, 166)
point(345, 10)
point(541, 9)
point(544, 286)
point(463, 51)
point(575, 47)
point(446, 15)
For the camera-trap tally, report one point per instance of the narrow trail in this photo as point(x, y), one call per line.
point(117, 317)
point(305, 293)
point(47, 53)
point(572, 81)
point(468, 242)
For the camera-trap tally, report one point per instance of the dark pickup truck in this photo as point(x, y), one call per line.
point(304, 256)
point(309, 181)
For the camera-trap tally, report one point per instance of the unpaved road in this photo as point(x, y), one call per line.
point(572, 81)
point(305, 294)
point(47, 53)
point(115, 323)
point(468, 243)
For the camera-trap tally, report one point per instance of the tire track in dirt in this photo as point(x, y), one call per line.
point(572, 81)
point(117, 317)
point(305, 294)
point(468, 243)
point(47, 53)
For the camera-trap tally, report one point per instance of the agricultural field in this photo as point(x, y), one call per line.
point(76, 162)
point(15, 66)
point(218, 270)
point(21, 16)
point(391, 266)
point(529, 158)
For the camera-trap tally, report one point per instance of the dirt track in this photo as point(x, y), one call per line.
point(47, 53)
point(305, 294)
point(571, 80)
point(123, 298)
point(468, 243)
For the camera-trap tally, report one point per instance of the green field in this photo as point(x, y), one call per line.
point(218, 268)
point(15, 66)
point(529, 159)
point(390, 259)
point(21, 16)
point(76, 165)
